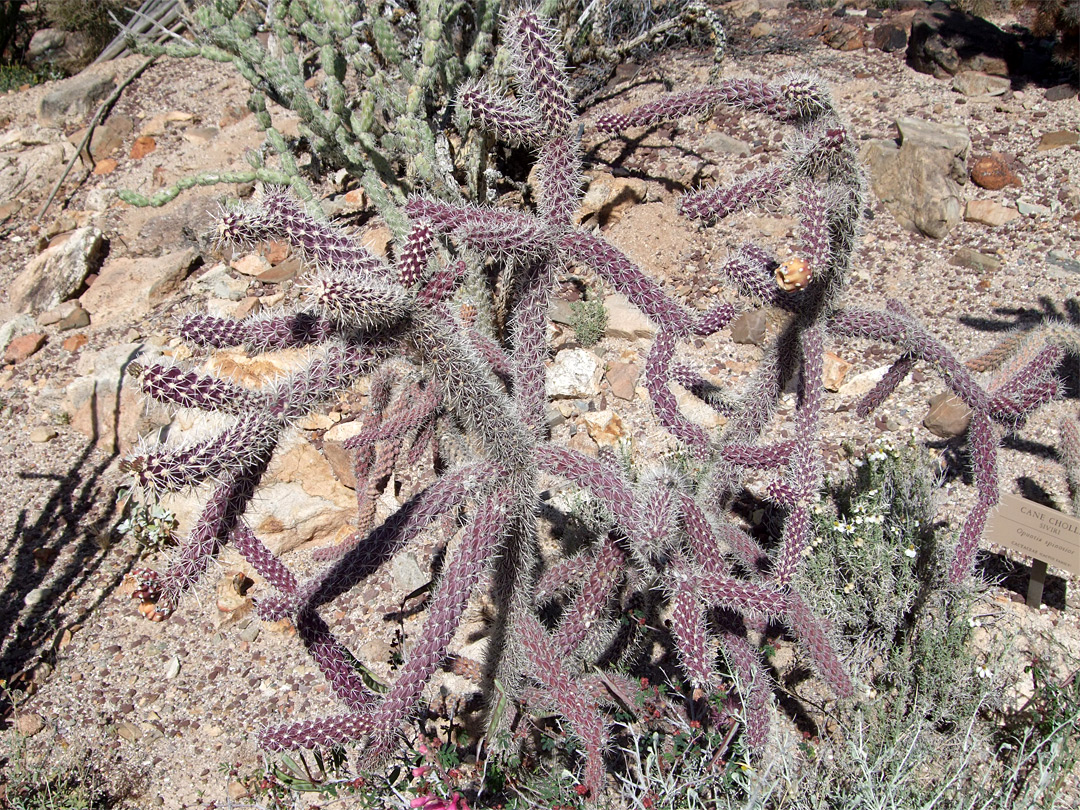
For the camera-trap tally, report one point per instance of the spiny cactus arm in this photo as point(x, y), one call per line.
point(705, 550)
point(481, 539)
point(600, 479)
point(363, 558)
point(1013, 410)
point(814, 218)
point(585, 721)
point(276, 212)
point(354, 302)
point(749, 94)
point(412, 263)
point(626, 277)
point(541, 71)
point(753, 271)
point(328, 731)
point(764, 456)
point(328, 373)
point(188, 389)
point(600, 582)
point(266, 564)
point(714, 320)
point(334, 661)
point(223, 508)
point(506, 237)
point(469, 389)
point(1029, 387)
point(745, 548)
point(1069, 453)
point(563, 575)
point(657, 376)
point(249, 441)
point(715, 203)
point(508, 120)
point(492, 354)
point(413, 410)
point(811, 635)
point(528, 328)
point(442, 283)
point(901, 329)
point(689, 623)
point(260, 333)
point(984, 448)
point(797, 535)
point(744, 597)
point(559, 179)
point(896, 374)
point(755, 685)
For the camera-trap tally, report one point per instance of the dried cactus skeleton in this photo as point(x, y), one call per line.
point(666, 543)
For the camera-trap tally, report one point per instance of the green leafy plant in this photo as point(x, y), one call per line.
point(149, 524)
point(589, 319)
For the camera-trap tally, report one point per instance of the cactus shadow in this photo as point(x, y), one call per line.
point(53, 556)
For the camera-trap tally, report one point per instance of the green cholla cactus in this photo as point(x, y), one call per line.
point(383, 81)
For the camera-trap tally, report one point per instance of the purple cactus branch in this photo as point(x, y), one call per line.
point(600, 581)
point(613, 266)
point(560, 179)
point(187, 389)
point(767, 457)
point(716, 203)
point(245, 444)
point(528, 326)
point(541, 72)
point(688, 620)
point(412, 264)
point(277, 214)
point(595, 477)
point(814, 216)
point(508, 120)
point(265, 562)
point(218, 517)
point(810, 633)
point(896, 374)
point(334, 661)
point(657, 375)
point(568, 695)
point(748, 94)
point(421, 403)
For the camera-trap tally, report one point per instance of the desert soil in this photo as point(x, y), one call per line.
point(159, 707)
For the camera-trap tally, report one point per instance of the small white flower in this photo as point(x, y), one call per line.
point(983, 672)
point(849, 587)
point(858, 542)
point(909, 552)
point(973, 622)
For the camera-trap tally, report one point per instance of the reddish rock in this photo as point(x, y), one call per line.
point(22, 347)
point(143, 146)
point(107, 166)
point(74, 343)
point(993, 173)
point(845, 38)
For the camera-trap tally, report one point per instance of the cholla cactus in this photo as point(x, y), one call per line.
point(665, 544)
point(387, 129)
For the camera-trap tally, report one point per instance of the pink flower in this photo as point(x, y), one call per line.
point(455, 802)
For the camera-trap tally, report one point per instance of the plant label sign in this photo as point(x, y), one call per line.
point(1040, 532)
